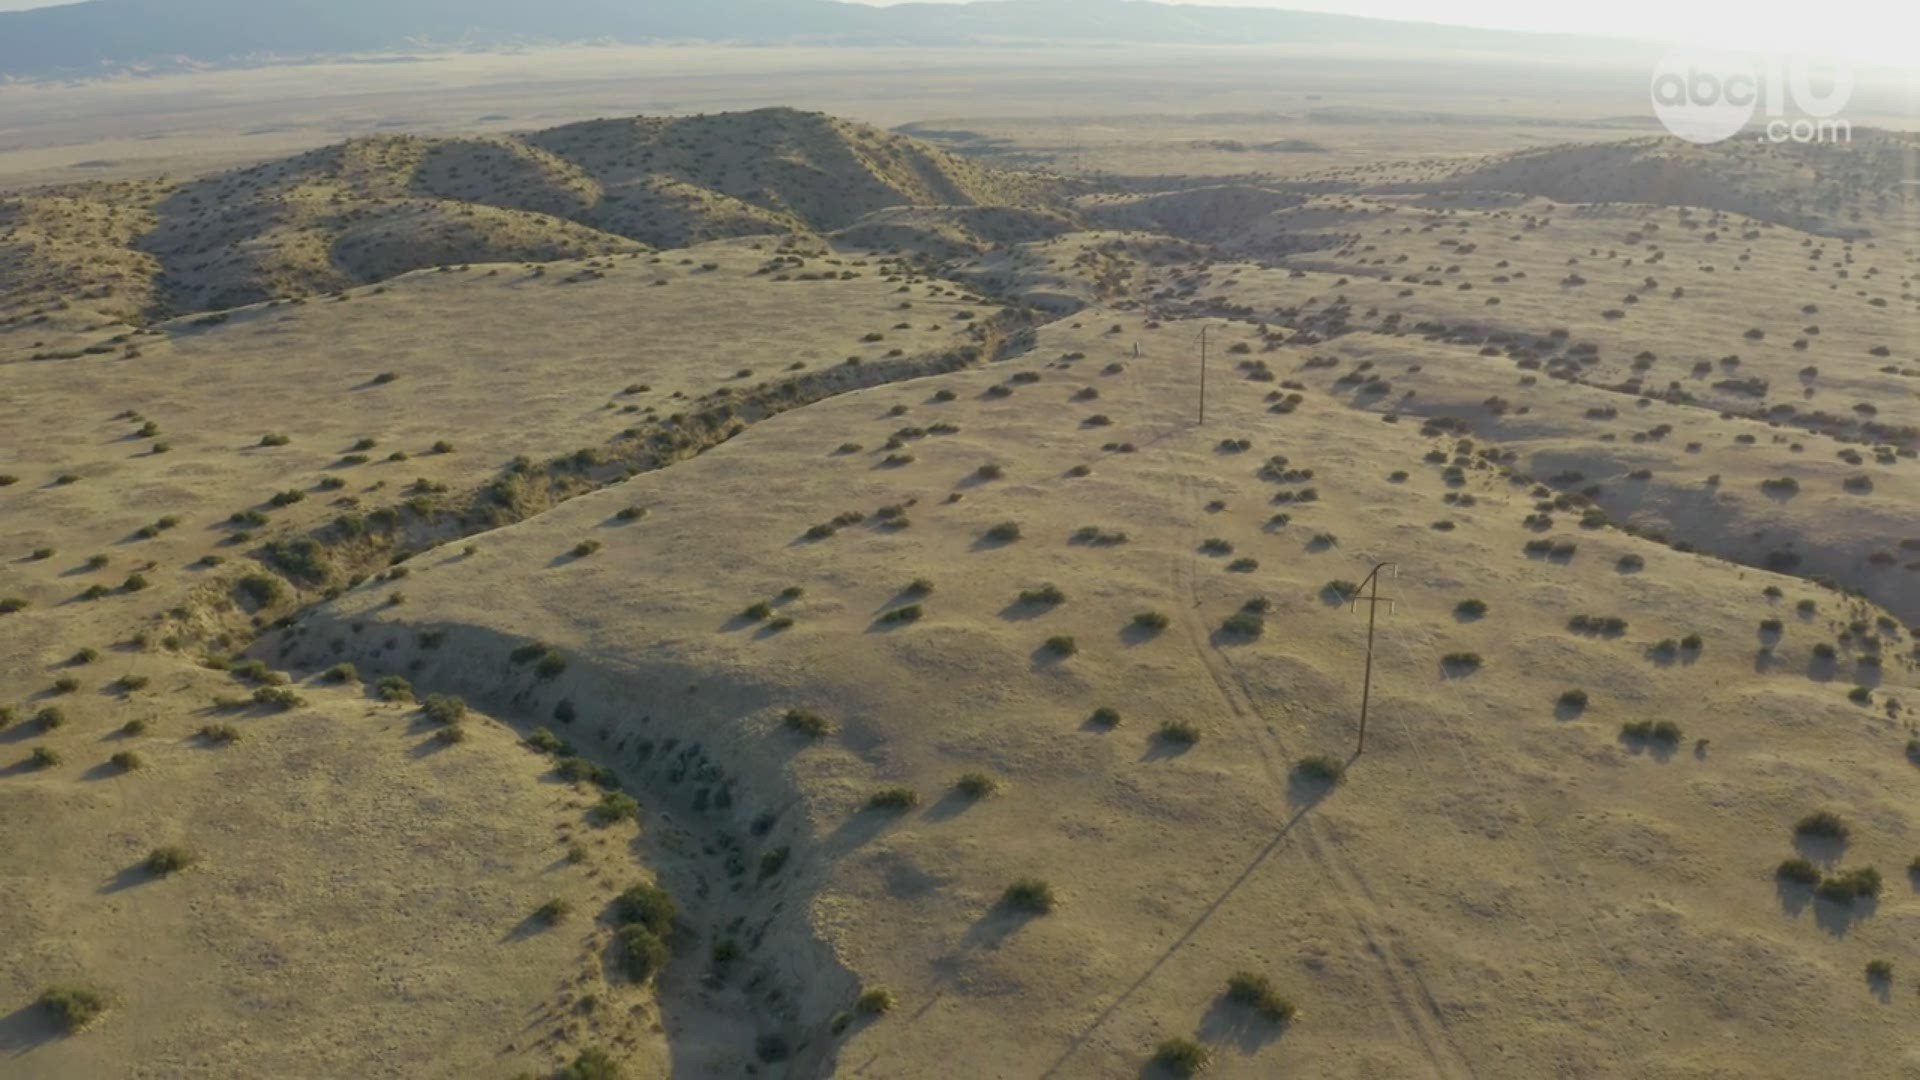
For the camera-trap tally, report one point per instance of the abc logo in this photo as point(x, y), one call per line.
point(1702, 96)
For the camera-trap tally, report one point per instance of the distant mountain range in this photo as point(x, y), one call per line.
point(102, 36)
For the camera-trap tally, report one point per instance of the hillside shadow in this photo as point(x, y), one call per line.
point(127, 878)
point(1793, 896)
point(949, 806)
point(1229, 1022)
point(27, 1028)
point(1838, 919)
point(1824, 850)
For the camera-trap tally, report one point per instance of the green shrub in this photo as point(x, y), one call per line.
point(1461, 662)
point(642, 953)
point(135, 726)
point(1004, 533)
point(1151, 620)
point(1321, 769)
point(169, 860)
point(1105, 716)
point(1182, 1057)
point(277, 697)
point(1847, 886)
point(1030, 895)
point(45, 757)
point(50, 718)
point(585, 548)
point(615, 806)
point(1045, 594)
point(592, 1063)
point(1880, 971)
point(126, 761)
point(772, 861)
point(73, 1007)
point(1798, 871)
point(554, 911)
point(893, 798)
point(918, 587)
point(66, 684)
point(1659, 731)
point(1244, 624)
point(1822, 824)
point(1257, 992)
point(342, 672)
point(810, 724)
point(978, 785)
point(444, 708)
point(220, 734)
point(648, 906)
point(757, 612)
point(1574, 699)
point(545, 741)
point(1061, 645)
point(393, 688)
point(1179, 732)
point(1470, 609)
point(875, 1001)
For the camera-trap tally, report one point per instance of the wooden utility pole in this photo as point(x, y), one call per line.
point(1203, 376)
point(1373, 599)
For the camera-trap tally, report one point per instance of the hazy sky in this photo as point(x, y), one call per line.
point(1883, 31)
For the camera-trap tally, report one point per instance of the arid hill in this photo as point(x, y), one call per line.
point(371, 209)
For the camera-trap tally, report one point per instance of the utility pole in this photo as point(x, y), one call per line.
point(1203, 376)
point(1373, 599)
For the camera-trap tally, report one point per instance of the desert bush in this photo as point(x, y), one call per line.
point(72, 1007)
point(1847, 886)
point(1216, 546)
point(1004, 533)
point(1151, 620)
point(1061, 645)
point(1574, 699)
point(757, 611)
point(976, 785)
point(545, 741)
point(918, 587)
point(810, 724)
point(135, 726)
point(1045, 594)
point(1822, 824)
point(1105, 716)
point(893, 798)
point(126, 761)
point(1470, 609)
point(615, 806)
point(585, 548)
point(875, 1001)
point(393, 688)
point(45, 757)
point(642, 953)
point(444, 708)
point(1030, 895)
point(1799, 871)
point(1659, 731)
point(905, 614)
point(1880, 971)
point(1179, 732)
point(50, 718)
point(342, 672)
point(169, 860)
point(1461, 662)
point(1321, 768)
point(66, 684)
point(1257, 992)
point(1182, 1057)
point(130, 683)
